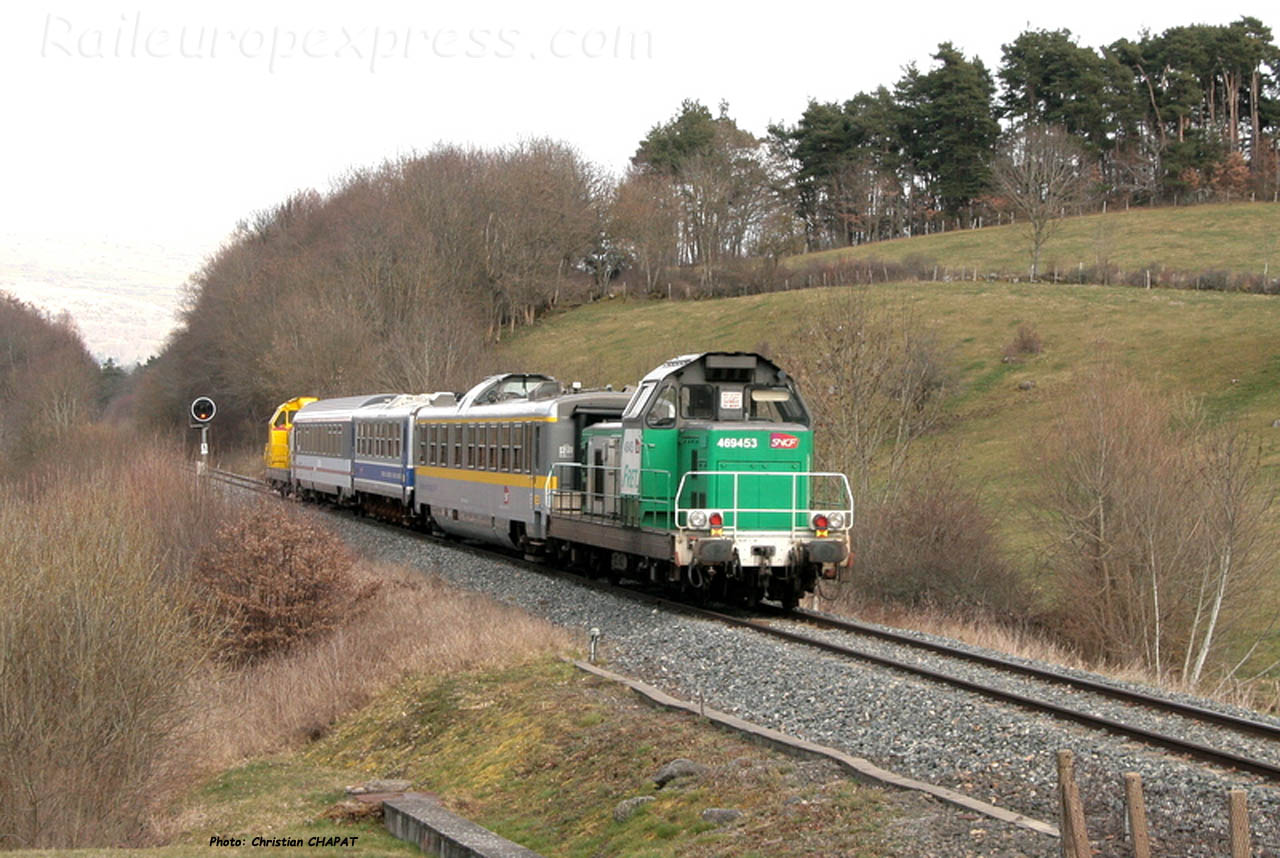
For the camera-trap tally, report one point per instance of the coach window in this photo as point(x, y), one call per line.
point(492, 432)
point(517, 447)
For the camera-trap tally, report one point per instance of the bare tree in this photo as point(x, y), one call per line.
point(1237, 543)
point(1044, 172)
point(645, 221)
point(874, 377)
point(1158, 528)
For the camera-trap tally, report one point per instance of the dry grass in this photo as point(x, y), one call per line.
point(95, 650)
point(1231, 237)
point(412, 624)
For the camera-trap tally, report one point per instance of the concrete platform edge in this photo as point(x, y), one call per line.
point(424, 823)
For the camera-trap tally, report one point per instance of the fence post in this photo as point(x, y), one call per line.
point(1238, 804)
point(1137, 815)
point(1075, 837)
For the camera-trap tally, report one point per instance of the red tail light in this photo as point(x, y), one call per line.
point(717, 520)
point(820, 522)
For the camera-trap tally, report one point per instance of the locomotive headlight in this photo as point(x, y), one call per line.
point(836, 519)
point(698, 519)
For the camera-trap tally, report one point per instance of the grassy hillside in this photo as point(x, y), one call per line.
point(1223, 349)
point(1240, 238)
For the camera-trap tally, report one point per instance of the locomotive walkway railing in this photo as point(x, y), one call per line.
point(594, 492)
point(782, 500)
point(806, 492)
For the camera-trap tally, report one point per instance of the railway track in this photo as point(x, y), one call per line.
point(238, 480)
point(786, 629)
point(992, 690)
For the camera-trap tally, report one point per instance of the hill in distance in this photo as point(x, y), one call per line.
point(1241, 238)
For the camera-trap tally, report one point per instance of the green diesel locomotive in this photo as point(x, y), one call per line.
point(706, 484)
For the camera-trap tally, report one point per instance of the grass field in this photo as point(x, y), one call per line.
point(1242, 238)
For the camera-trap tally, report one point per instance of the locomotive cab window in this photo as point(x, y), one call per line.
point(636, 406)
point(698, 402)
point(662, 414)
point(776, 405)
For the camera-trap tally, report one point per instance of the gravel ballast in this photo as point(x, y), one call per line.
point(994, 752)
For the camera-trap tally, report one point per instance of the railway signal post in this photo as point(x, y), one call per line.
point(202, 411)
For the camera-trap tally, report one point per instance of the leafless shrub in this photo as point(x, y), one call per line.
point(1025, 342)
point(930, 543)
point(271, 579)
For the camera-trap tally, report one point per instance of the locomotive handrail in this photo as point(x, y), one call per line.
point(554, 498)
point(733, 511)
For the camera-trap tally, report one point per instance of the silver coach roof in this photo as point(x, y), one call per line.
point(342, 406)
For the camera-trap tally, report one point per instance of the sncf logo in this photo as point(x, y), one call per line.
point(783, 441)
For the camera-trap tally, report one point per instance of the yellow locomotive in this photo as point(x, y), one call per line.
point(276, 453)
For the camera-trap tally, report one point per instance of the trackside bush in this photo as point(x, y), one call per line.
point(271, 579)
point(931, 544)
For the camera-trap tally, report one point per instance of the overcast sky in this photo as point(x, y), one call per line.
point(173, 121)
